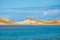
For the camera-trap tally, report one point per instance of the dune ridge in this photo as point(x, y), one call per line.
point(29, 21)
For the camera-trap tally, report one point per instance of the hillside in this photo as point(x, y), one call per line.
point(6, 21)
point(36, 21)
point(29, 21)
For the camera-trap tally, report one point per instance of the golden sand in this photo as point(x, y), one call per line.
point(29, 21)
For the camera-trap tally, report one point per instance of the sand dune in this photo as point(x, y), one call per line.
point(29, 21)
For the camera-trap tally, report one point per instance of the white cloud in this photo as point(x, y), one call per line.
point(51, 12)
point(54, 11)
point(45, 13)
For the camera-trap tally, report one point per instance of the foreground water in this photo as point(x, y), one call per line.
point(30, 32)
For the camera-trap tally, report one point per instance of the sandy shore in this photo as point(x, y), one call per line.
point(29, 24)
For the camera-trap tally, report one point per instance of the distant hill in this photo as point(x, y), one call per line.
point(29, 21)
point(36, 21)
point(6, 21)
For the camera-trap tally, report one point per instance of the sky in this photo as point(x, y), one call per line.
point(27, 3)
point(20, 9)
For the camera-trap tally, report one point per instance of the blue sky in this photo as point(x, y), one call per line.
point(27, 3)
point(21, 9)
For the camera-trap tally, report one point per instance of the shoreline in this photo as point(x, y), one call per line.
point(26, 24)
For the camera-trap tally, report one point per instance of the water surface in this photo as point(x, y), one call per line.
point(29, 32)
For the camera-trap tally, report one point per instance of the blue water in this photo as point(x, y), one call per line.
point(29, 32)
